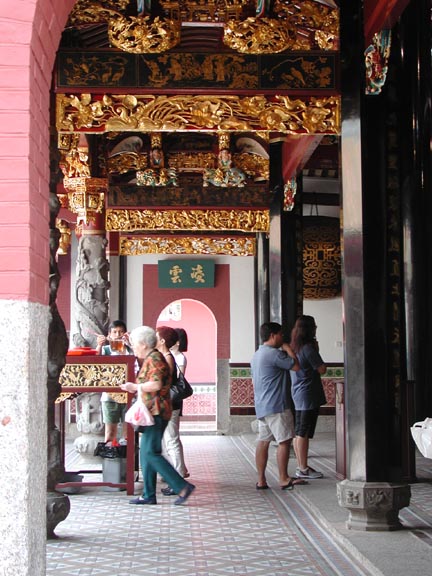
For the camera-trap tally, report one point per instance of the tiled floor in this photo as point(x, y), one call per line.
point(227, 526)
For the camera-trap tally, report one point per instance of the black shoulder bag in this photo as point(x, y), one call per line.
point(180, 388)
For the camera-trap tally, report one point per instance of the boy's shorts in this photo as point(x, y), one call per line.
point(112, 412)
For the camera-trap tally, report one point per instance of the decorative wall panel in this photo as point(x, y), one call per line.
point(303, 71)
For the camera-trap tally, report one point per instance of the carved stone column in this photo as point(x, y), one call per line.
point(86, 198)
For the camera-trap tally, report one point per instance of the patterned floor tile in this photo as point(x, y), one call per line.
point(227, 527)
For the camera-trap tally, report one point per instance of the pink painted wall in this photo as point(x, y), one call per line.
point(200, 326)
point(29, 37)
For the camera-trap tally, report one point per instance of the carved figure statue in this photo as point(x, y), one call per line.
point(225, 174)
point(157, 174)
point(89, 423)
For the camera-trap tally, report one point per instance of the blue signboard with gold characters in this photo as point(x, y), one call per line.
point(186, 273)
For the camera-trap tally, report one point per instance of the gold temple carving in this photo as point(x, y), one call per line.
point(230, 245)
point(147, 113)
point(142, 35)
point(196, 220)
point(287, 24)
point(93, 376)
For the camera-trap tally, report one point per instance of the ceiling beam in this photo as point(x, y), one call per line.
point(296, 151)
point(380, 15)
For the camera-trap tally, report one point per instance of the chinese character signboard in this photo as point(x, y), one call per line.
point(186, 273)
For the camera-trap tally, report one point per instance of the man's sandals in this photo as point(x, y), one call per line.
point(293, 482)
point(290, 486)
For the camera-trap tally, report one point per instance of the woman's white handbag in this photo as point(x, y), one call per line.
point(422, 434)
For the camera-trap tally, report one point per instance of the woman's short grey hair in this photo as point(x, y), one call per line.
point(144, 335)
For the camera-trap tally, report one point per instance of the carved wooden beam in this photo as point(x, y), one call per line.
point(380, 14)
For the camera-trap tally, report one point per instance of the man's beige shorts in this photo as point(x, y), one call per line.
point(278, 427)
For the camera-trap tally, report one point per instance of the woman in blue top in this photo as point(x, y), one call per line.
point(307, 391)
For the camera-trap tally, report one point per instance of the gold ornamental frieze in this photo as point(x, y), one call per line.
point(147, 113)
point(229, 245)
point(95, 376)
point(187, 220)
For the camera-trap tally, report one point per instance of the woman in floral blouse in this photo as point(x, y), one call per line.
point(153, 384)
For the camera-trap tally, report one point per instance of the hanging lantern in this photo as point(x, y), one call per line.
point(321, 258)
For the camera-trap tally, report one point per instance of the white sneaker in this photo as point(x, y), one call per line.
point(308, 473)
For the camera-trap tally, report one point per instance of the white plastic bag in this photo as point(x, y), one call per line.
point(422, 434)
point(139, 415)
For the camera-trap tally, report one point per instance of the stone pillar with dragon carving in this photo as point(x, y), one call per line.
point(90, 305)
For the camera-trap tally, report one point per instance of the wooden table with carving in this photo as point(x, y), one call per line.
point(92, 374)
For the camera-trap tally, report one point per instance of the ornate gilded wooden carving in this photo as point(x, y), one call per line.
point(65, 236)
point(295, 24)
point(74, 160)
point(95, 376)
point(126, 162)
point(189, 193)
point(167, 113)
point(141, 34)
point(290, 70)
point(257, 36)
point(321, 257)
point(86, 197)
point(230, 245)
point(376, 59)
point(234, 220)
point(299, 25)
point(191, 161)
point(90, 11)
point(311, 24)
point(290, 190)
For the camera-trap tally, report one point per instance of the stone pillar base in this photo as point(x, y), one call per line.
point(58, 508)
point(373, 506)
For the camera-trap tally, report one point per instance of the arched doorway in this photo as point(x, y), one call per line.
point(199, 322)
